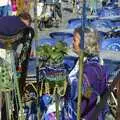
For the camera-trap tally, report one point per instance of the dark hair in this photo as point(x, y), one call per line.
point(25, 16)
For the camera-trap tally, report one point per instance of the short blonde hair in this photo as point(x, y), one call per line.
point(91, 39)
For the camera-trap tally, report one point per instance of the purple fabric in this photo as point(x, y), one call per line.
point(50, 116)
point(96, 78)
point(86, 108)
point(10, 25)
point(89, 115)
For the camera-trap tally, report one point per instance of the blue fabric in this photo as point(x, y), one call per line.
point(9, 10)
point(31, 70)
point(45, 40)
point(4, 10)
point(66, 37)
point(26, 111)
point(111, 67)
point(33, 109)
point(30, 110)
point(106, 12)
point(74, 23)
point(68, 41)
point(33, 117)
point(102, 25)
point(110, 44)
point(60, 35)
point(10, 25)
point(44, 101)
point(69, 62)
point(117, 24)
point(1, 45)
point(113, 1)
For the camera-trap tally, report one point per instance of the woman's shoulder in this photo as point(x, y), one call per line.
point(94, 59)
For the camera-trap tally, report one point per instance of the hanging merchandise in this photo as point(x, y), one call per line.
point(20, 6)
point(93, 6)
point(102, 25)
point(5, 79)
point(27, 5)
point(14, 7)
point(54, 71)
point(109, 12)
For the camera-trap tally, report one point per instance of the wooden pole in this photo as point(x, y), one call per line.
point(81, 58)
point(80, 85)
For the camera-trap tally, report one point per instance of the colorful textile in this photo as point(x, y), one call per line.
point(94, 84)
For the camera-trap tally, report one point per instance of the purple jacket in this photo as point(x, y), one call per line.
point(94, 77)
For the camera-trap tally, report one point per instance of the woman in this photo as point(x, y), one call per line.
point(90, 41)
point(94, 77)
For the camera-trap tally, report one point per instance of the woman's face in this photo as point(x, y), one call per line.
point(76, 42)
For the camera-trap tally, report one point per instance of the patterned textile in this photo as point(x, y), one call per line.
point(94, 84)
point(5, 78)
